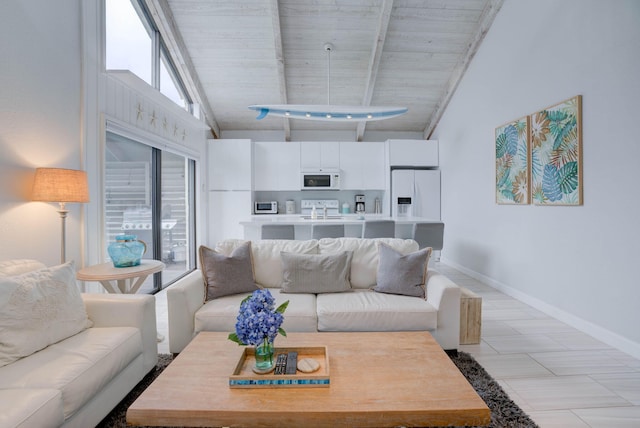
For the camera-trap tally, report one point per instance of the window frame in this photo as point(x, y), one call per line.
point(159, 48)
point(158, 145)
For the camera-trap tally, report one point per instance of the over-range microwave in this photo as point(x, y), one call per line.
point(322, 179)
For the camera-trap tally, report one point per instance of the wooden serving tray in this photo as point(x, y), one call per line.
point(244, 377)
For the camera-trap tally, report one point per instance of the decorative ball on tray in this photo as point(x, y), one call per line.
point(258, 323)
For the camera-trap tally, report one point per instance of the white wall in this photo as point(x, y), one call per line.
point(54, 101)
point(40, 93)
point(577, 263)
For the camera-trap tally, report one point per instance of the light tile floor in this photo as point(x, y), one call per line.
point(560, 376)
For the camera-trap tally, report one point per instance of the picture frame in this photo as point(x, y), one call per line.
point(556, 154)
point(512, 162)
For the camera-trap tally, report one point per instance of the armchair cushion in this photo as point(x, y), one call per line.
point(37, 309)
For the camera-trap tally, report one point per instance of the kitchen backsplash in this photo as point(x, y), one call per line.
point(342, 196)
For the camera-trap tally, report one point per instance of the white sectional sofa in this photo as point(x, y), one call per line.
point(76, 381)
point(358, 309)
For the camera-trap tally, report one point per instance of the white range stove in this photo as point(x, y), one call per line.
point(332, 205)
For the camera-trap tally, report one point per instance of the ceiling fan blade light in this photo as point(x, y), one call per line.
point(263, 111)
point(329, 112)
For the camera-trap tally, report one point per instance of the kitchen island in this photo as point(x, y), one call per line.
point(352, 224)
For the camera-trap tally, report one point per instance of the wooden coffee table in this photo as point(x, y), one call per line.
point(377, 380)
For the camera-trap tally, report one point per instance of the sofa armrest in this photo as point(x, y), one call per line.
point(444, 295)
point(127, 310)
point(184, 298)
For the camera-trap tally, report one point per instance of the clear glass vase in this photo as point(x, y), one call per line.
point(264, 357)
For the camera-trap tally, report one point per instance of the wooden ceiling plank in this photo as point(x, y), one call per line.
point(282, 83)
point(374, 63)
point(163, 17)
point(488, 15)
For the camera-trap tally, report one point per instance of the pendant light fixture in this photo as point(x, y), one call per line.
point(328, 112)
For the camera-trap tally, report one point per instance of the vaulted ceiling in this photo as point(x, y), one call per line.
point(235, 53)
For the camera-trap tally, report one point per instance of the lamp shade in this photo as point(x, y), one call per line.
point(60, 185)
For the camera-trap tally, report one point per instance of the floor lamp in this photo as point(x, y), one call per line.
point(62, 186)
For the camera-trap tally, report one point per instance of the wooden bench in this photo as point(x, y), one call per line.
point(470, 317)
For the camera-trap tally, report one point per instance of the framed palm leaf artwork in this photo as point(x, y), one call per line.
point(556, 154)
point(512, 162)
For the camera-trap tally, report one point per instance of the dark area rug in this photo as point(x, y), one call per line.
point(504, 412)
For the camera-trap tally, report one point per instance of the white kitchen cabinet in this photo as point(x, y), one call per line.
point(276, 165)
point(226, 210)
point(316, 155)
point(229, 164)
point(413, 152)
point(362, 165)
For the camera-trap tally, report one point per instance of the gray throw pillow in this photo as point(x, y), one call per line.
point(226, 275)
point(316, 273)
point(400, 273)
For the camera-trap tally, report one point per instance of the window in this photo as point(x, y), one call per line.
point(170, 84)
point(128, 42)
point(134, 43)
point(150, 193)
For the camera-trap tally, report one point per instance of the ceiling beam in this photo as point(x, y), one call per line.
point(277, 44)
point(163, 18)
point(374, 60)
point(486, 19)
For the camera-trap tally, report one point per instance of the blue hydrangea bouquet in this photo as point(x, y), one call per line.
point(258, 320)
point(258, 324)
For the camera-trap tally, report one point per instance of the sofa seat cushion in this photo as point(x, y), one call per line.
point(364, 264)
point(26, 408)
point(267, 265)
point(220, 314)
point(366, 310)
point(79, 366)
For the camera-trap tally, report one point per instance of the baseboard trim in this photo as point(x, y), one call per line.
point(604, 335)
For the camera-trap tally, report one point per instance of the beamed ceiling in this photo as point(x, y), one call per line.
point(235, 53)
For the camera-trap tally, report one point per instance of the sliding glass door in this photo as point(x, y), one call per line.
point(149, 193)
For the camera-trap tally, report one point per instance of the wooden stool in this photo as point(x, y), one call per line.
point(470, 317)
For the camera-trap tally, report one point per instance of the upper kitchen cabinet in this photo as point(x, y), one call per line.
point(276, 165)
point(362, 165)
point(413, 152)
point(315, 155)
point(229, 164)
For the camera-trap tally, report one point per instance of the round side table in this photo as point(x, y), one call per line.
point(120, 280)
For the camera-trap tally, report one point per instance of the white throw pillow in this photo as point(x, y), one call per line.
point(37, 309)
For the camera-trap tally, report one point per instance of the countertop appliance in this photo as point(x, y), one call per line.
point(360, 209)
point(332, 205)
point(415, 193)
point(322, 179)
point(270, 207)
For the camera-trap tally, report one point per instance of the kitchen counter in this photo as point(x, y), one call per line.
point(352, 222)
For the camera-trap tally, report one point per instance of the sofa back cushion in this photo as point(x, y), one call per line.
point(364, 264)
point(267, 263)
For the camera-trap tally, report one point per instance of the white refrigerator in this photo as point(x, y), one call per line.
point(415, 193)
